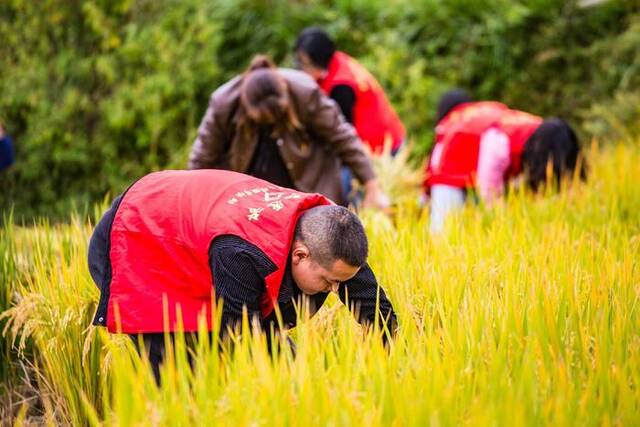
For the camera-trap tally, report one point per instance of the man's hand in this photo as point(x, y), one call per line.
point(374, 197)
point(1, 131)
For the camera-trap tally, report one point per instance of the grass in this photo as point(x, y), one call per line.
point(523, 314)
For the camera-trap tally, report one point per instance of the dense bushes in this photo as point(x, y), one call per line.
point(97, 93)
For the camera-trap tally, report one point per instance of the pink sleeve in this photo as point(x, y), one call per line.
point(493, 162)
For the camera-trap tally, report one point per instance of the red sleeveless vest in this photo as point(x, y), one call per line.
point(454, 159)
point(160, 240)
point(373, 117)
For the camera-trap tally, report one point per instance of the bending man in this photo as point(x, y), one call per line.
point(174, 238)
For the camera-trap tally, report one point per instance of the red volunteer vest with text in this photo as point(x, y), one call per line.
point(454, 159)
point(160, 240)
point(373, 117)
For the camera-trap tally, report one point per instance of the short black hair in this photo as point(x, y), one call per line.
point(316, 43)
point(333, 233)
point(449, 100)
point(554, 143)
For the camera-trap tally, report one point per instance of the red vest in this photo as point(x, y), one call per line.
point(160, 240)
point(373, 117)
point(454, 159)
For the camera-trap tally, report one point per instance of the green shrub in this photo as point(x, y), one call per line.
point(98, 93)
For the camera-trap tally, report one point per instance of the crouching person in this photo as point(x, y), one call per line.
point(481, 146)
point(174, 237)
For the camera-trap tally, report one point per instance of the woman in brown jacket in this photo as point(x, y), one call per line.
point(276, 124)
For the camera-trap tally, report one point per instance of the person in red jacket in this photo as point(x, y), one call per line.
point(359, 95)
point(176, 239)
point(481, 145)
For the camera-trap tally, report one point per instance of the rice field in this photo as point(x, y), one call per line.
point(526, 313)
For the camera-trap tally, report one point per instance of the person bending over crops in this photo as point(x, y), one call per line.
point(276, 124)
point(359, 95)
point(481, 145)
point(175, 236)
point(355, 90)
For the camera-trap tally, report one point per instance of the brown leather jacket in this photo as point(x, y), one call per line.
point(312, 155)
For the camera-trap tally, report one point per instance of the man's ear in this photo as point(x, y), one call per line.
point(299, 252)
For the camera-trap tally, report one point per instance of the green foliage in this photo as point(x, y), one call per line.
point(616, 115)
point(113, 91)
point(98, 93)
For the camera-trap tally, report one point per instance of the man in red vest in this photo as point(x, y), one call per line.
point(175, 239)
point(359, 95)
point(481, 145)
point(356, 91)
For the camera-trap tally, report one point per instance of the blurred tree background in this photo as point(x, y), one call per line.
point(99, 92)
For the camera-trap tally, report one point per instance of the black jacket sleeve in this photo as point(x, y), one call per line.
point(98, 256)
point(99, 262)
point(239, 269)
point(367, 300)
point(345, 97)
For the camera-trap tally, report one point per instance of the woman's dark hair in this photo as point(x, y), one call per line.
point(554, 143)
point(264, 97)
point(316, 43)
point(450, 100)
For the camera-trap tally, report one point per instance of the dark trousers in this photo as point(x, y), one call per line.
point(154, 348)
